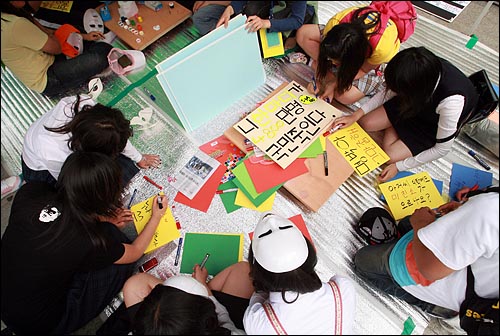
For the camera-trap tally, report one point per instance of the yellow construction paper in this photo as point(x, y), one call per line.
point(166, 230)
point(242, 200)
point(407, 194)
point(61, 6)
point(358, 148)
point(270, 51)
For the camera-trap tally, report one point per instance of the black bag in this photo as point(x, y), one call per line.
point(478, 316)
point(488, 98)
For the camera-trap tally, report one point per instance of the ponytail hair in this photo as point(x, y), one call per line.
point(348, 44)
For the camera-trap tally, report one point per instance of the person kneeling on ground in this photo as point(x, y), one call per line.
point(183, 304)
point(289, 295)
point(427, 266)
point(61, 264)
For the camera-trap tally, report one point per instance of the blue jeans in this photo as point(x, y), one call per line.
point(372, 264)
point(30, 175)
point(206, 18)
point(65, 74)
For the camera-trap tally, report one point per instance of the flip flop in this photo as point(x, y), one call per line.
point(92, 21)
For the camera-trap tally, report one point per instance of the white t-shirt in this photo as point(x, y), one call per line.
point(466, 236)
point(312, 314)
point(46, 150)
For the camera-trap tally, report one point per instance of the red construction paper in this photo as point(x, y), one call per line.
point(204, 197)
point(224, 151)
point(266, 176)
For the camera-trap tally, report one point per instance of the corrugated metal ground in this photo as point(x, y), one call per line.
point(330, 227)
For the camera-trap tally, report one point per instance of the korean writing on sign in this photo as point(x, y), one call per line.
point(358, 148)
point(287, 123)
point(166, 230)
point(61, 6)
point(407, 194)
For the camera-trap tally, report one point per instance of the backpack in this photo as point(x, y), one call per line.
point(487, 102)
point(478, 316)
point(488, 98)
point(402, 13)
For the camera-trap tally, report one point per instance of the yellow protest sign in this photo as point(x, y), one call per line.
point(166, 230)
point(287, 123)
point(358, 148)
point(61, 6)
point(407, 194)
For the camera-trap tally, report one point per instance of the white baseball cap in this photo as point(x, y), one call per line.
point(187, 284)
point(278, 245)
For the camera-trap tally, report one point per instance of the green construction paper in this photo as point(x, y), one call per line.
point(313, 150)
point(244, 182)
point(225, 250)
point(409, 326)
point(273, 39)
point(229, 198)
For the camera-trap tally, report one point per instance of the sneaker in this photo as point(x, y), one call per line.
point(298, 57)
point(112, 307)
point(11, 184)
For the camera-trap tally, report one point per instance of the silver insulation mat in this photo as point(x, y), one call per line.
point(331, 227)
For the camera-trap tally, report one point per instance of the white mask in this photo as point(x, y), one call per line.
point(278, 245)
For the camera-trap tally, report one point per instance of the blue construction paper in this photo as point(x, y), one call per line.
point(437, 183)
point(201, 43)
point(467, 176)
point(206, 78)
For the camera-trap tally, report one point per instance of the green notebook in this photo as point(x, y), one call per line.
point(225, 249)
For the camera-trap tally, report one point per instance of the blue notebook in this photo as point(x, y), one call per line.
point(467, 176)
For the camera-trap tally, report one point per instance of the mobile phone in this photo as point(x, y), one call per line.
point(124, 61)
point(148, 265)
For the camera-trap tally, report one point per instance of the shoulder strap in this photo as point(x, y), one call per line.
point(469, 292)
point(337, 298)
point(275, 322)
point(338, 307)
point(373, 39)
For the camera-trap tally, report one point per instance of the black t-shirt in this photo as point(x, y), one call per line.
point(36, 275)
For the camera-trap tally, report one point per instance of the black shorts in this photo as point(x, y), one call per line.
point(417, 134)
